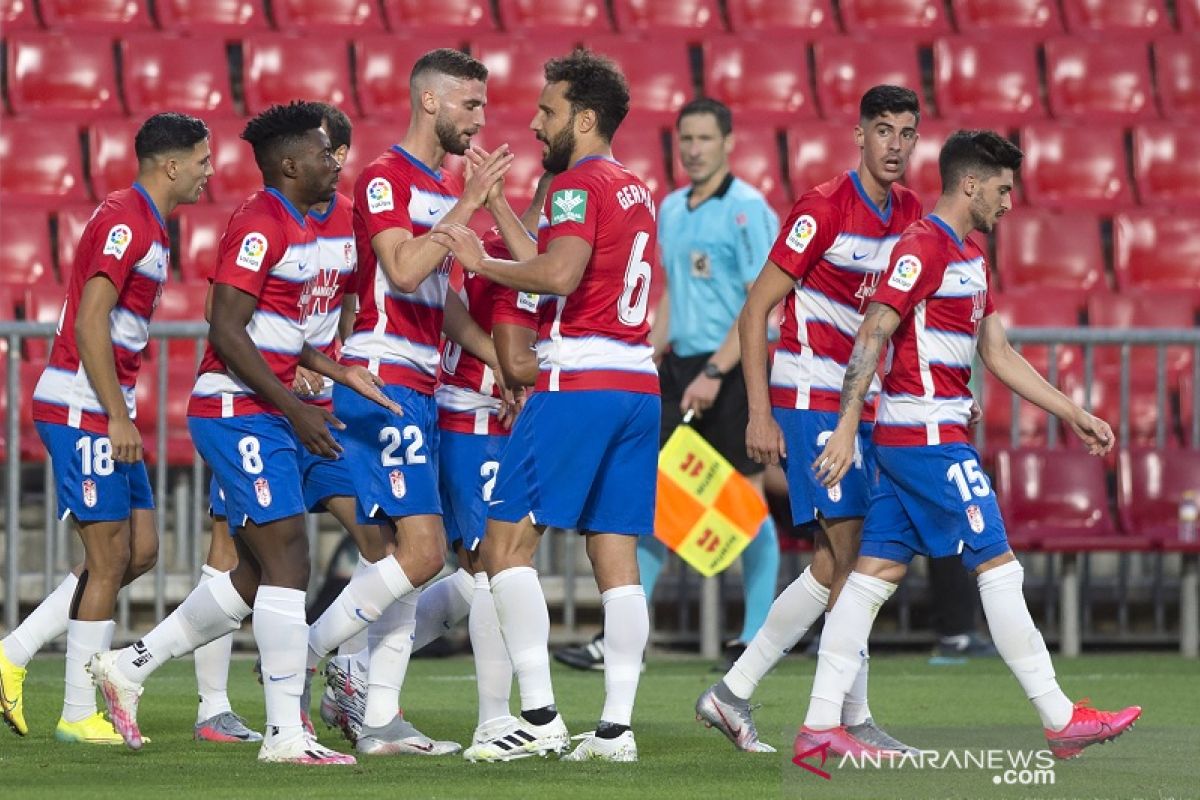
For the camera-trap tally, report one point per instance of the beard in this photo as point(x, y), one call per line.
point(449, 137)
point(559, 150)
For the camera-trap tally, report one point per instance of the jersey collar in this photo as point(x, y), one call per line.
point(321, 217)
point(586, 159)
point(719, 194)
point(941, 223)
point(436, 174)
point(291, 209)
point(137, 187)
point(885, 213)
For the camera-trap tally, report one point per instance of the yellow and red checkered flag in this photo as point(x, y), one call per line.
point(707, 512)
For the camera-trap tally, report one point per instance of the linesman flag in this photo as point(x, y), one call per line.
point(707, 512)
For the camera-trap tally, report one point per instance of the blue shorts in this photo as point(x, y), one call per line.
point(216, 499)
point(393, 459)
point(467, 465)
point(91, 486)
point(584, 460)
point(255, 461)
point(321, 478)
point(933, 501)
point(805, 433)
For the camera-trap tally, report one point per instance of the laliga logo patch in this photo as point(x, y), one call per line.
point(975, 518)
point(905, 273)
point(397, 479)
point(252, 252)
point(118, 240)
point(379, 196)
point(262, 490)
point(90, 495)
point(803, 230)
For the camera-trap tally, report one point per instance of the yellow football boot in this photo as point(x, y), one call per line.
point(12, 678)
point(95, 729)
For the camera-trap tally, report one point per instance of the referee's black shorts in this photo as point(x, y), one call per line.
point(723, 425)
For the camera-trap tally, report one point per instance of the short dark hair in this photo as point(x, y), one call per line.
point(982, 152)
point(337, 125)
point(595, 83)
point(706, 105)
point(280, 125)
point(167, 132)
point(447, 61)
point(885, 99)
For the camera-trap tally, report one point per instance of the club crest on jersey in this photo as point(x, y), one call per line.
point(568, 205)
point(835, 493)
point(118, 241)
point(252, 252)
point(975, 518)
point(905, 273)
point(90, 494)
point(348, 251)
point(802, 232)
point(397, 480)
point(379, 196)
point(262, 491)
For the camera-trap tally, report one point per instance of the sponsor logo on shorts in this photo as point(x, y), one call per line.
point(90, 494)
point(397, 480)
point(975, 518)
point(262, 490)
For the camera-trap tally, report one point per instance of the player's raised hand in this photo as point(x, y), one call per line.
point(307, 383)
point(764, 439)
point(475, 158)
point(370, 386)
point(126, 440)
point(482, 178)
point(462, 242)
point(836, 459)
point(312, 424)
point(1094, 432)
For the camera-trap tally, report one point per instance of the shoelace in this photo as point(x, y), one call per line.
point(1085, 711)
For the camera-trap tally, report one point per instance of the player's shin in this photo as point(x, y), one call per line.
point(282, 632)
point(389, 640)
point(493, 670)
point(47, 622)
point(525, 623)
point(359, 604)
point(444, 604)
point(626, 630)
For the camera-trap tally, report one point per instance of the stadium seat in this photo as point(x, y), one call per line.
point(25, 256)
point(1187, 409)
point(113, 163)
point(1188, 12)
point(236, 175)
point(57, 76)
point(324, 17)
point(179, 73)
point(179, 302)
point(639, 146)
point(1032, 250)
point(515, 76)
point(979, 84)
point(442, 20)
point(1143, 308)
point(1075, 167)
point(563, 16)
point(200, 231)
point(1032, 422)
point(659, 71)
point(1134, 18)
point(1177, 73)
point(1008, 18)
point(1105, 80)
point(848, 67)
point(18, 15)
point(803, 18)
point(924, 20)
point(1166, 164)
point(96, 16)
point(43, 163)
point(1049, 494)
point(818, 152)
point(1035, 307)
point(370, 140)
point(1104, 394)
point(694, 19)
point(71, 222)
point(922, 174)
point(8, 309)
point(43, 303)
point(755, 159)
point(282, 68)
point(224, 18)
point(378, 62)
point(1150, 484)
point(761, 80)
point(1157, 249)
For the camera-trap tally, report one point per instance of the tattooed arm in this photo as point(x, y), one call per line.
point(877, 327)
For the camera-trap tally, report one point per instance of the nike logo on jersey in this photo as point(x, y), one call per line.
point(965, 281)
point(278, 678)
point(858, 257)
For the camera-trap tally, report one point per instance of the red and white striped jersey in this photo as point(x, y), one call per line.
point(336, 262)
point(939, 286)
point(597, 337)
point(836, 244)
point(126, 242)
point(397, 335)
point(269, 251)
point(467, 395)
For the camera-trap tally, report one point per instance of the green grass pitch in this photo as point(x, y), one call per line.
point(976, 707)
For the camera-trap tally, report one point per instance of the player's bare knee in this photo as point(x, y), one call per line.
point(822, 567)
point(143, 555)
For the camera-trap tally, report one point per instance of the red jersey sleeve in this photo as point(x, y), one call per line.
point(251, 246)
point(509, 307)
point(914, 273)
point(573, 207)
point(384, 200)
point(809, 231)
point(122, 242)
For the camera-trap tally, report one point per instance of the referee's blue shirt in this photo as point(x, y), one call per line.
point(710, 254)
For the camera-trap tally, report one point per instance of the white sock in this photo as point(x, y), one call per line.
point(525, 623)
point(212, 667)
point(493, 670)
point(626, 630)
point(85, 638)
point(358, 642)
point(854, 708)
point(359, 604)
point(791, 615)
point(45, 623)
point(444, 604)
point(844, 646)
point(213, 609)
point(1020, 643)
point(390, 642)
point(282, 634)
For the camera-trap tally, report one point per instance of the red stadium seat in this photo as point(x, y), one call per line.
point(1166, 164)
point(920, 19)
point(658, 71)
point(922, 174)
point(1188, 409)
point(227, 18)
point(439, 20)
point(43, 303)
point(1035, 307)
point(1075, 167)
point(1150, 484)
point(178, 73)
point(281, 68)
point(1143, 308)
point(64, 77)
point(25, 257)
point(980, 84)
point(1105, 80)
point(113, 162)
point(565, 16)
point(71, 222)
point(1034, 18)
point(382, 65)
point(1032, 422)
point(1157, 249)
point(17, 15)
point(371, 139)
point(1043, 248)
point(43, 163)
point(324, 17)
point(802, 18)
point(761, 80)
point(691, 18)
point(236, 175)
point(818, 152)
point(755, 159)
point(179, 302)
point(8, 309)
point(1135, 18)
point(1049, 494)
point(1104, 394)
point(512, 128)
point(515, 75)
point(1189, 14)
point(1177, 72)
point(639, 146)
point(848, 67)
point(96, 16)
point(200, 231)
